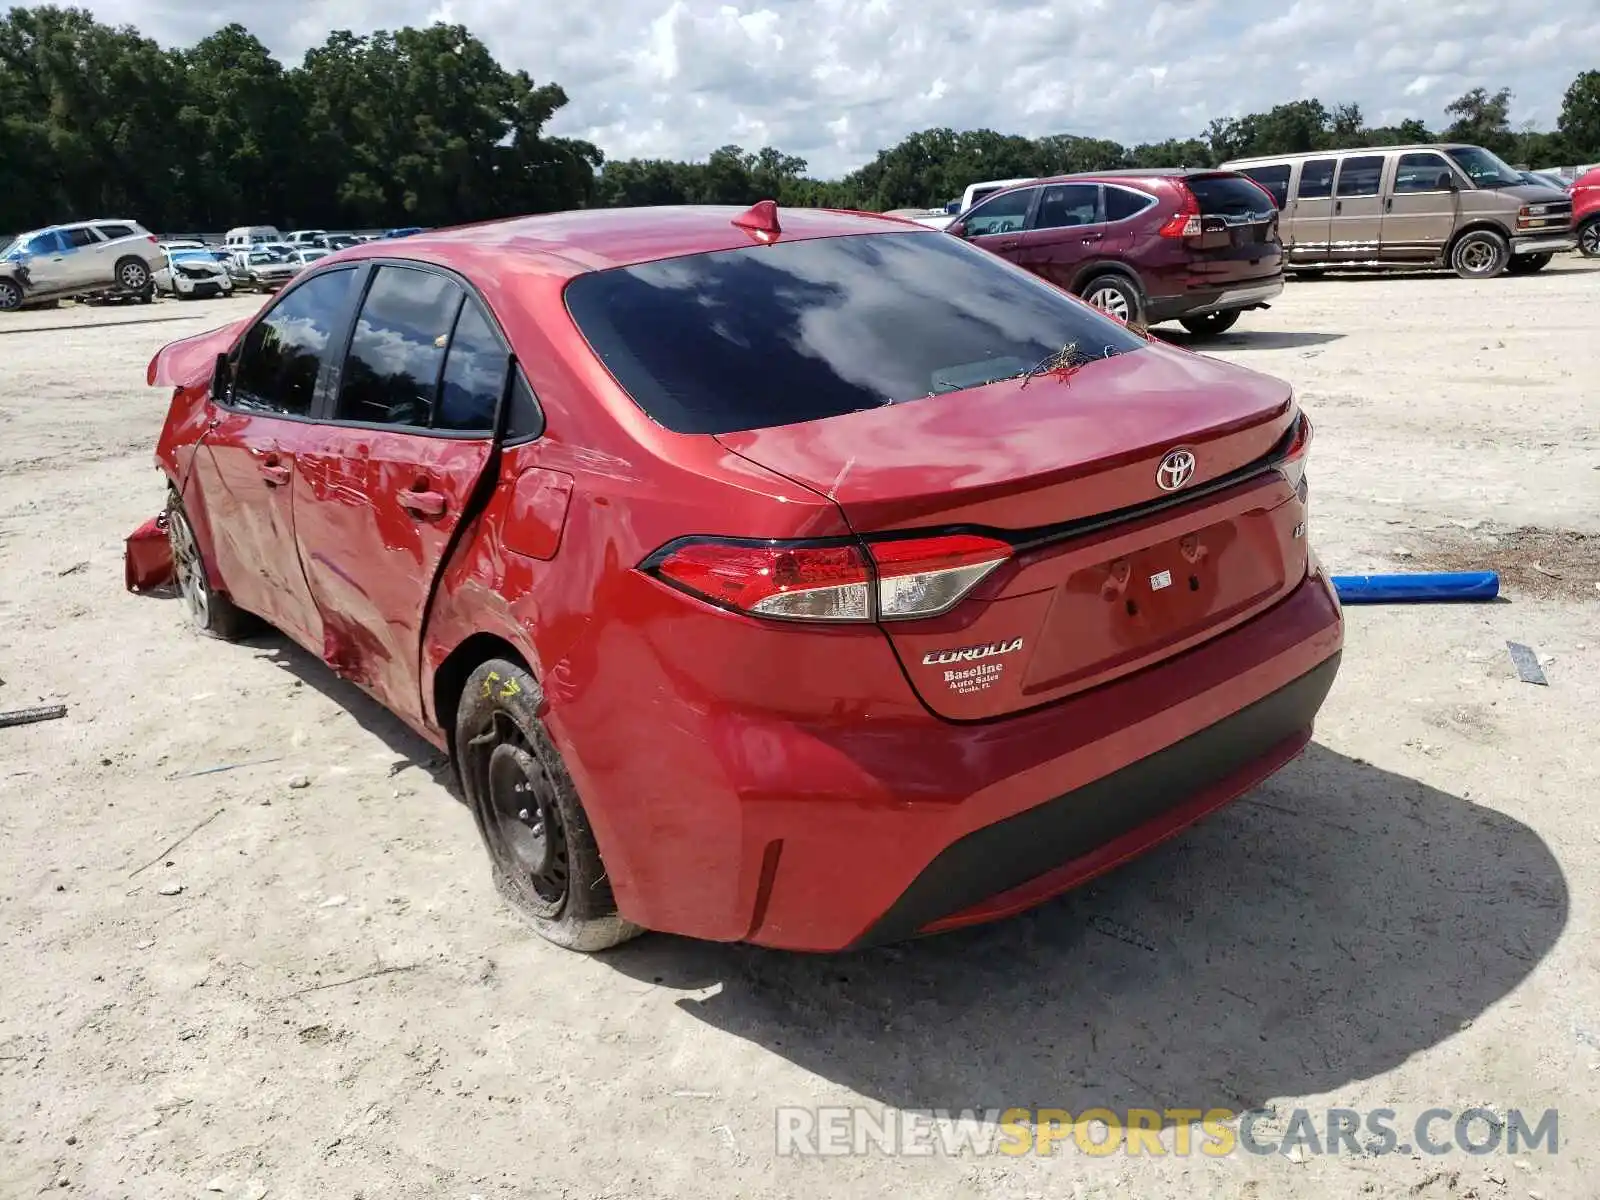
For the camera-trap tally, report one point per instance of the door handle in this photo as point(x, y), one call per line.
point(1010, 243)
point(1388, 205)
point(276, 474)
point(1338, 207)
point(1092, 237)
point(423, 504)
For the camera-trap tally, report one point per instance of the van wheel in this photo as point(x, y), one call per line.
point(1589, 238)
point(1116, 296)
point(542, 853)
point(1211, 324)
point(1480, 254)
point(1527, 264)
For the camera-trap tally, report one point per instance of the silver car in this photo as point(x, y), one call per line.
point(78, 259)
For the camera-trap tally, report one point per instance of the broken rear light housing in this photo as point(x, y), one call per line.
point(899, 579)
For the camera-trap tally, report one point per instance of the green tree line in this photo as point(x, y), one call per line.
point(423, 126)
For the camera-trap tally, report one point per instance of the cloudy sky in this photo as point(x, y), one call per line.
point(835, 80)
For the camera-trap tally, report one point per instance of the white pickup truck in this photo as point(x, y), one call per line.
point(940, 218)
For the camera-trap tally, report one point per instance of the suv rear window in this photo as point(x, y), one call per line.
point(1228, 196)
point(797, 331)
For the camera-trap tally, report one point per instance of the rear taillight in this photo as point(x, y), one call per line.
point(1292, 462)
point(1186, 221)
point(894, 580)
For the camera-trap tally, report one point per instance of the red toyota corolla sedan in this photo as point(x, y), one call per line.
point(806, 578)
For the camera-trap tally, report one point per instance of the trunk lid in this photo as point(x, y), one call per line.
point(1066, 470)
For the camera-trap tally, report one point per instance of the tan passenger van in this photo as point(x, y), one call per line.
point(1442, 205)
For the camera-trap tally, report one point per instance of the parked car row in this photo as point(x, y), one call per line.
point(1203, 246)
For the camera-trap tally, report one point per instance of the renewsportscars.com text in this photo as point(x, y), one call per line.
point(1180, 1132)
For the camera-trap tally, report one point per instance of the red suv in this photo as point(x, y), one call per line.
point(1196, 247)
point(1585, 192)
point(803, 578)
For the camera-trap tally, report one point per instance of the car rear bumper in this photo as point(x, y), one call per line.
point(1201, 301)
point(1542, 243)
point(870, 826)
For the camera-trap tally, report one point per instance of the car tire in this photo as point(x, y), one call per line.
point(1589, 238)
point(1479, 254)
point(542, 852)
point(1115, 295)
point(1211, 324)
point(1527, 264)
point(209, 611)
point(10, 295)
point(132, 274)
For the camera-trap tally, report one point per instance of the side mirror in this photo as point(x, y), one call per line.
point(959, 228)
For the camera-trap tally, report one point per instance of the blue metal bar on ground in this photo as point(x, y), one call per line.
point(1392, 589)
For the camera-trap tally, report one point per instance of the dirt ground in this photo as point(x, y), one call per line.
point(229, 985)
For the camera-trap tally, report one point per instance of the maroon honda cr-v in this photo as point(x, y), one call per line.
point(1195, 246)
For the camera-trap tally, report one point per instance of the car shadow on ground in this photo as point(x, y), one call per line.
point(1325, 928)
point(412, 752)
point(1245, 339)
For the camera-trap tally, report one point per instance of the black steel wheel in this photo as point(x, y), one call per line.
point(542, 852)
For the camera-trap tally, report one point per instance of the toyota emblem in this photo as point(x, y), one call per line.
point(1176, 469)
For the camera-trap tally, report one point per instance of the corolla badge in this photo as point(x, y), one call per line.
point(1176, 469)
point(971, 653)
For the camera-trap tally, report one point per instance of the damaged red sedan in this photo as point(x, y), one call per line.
point(805, 578)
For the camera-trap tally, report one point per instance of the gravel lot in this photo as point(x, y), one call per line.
point(335, 1005)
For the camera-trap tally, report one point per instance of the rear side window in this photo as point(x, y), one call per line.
point(797, 331)
point(391, 373)
point(277, 367)
point(1275, 179)
point(81, 237)
point(1067, 204)
point(1122, 203)
point(1360, 176)
point(1227, 196)
point(1422, 173)
point(112, 232)
point(1316, 179)
point(474, 374)
point(1003, 214)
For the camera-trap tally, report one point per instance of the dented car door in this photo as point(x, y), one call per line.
point(408, 434)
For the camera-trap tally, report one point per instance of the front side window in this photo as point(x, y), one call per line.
point(1004, 214)
point(277, 367)
point(1360, 176)
point(1064, 204)
point(799, 331)
point(391, 375)
point(47, 243)
point(1421, 173)
point(1316, 179)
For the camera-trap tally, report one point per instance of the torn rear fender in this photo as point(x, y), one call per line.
point(147, 558)
point(190, 361)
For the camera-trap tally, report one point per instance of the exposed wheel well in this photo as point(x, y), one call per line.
point(452, 674)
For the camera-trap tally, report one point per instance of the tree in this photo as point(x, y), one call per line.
point(1483, 120)
point(1580, 117)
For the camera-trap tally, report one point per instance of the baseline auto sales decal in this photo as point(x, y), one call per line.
point(966, 680)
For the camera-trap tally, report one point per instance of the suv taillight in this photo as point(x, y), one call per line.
point(896, 580)
point(1186, 221)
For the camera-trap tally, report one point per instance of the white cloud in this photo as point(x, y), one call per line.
point(836, 80)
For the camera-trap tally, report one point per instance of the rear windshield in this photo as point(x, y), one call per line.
point(1228, 196)
point(797, 331)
